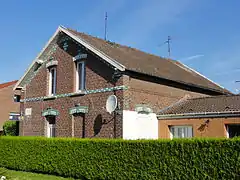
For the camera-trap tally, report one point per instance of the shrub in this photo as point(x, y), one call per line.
point(10, 128)
point(119, 159)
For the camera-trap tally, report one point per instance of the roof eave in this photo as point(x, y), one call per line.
point(199, 115)
point(188, 84)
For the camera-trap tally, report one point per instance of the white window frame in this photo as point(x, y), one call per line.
point(227, 130)
point(82, 86)
point(185, 128)
point(52, 91)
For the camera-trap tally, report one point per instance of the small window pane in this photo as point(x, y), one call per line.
point(52, 81)
point(80, 76)
point(181, 131)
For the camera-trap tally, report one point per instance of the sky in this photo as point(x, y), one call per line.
point(205, 33)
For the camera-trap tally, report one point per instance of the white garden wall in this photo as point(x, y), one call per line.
point(139, 126)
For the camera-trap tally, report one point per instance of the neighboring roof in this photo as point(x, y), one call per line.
point(8, 84)
point(124, 57)
point(214, 104)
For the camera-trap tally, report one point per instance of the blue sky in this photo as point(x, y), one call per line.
point(205, 33)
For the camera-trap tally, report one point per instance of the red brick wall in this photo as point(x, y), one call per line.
point(98, 123)
point(157, 96)
point(215, 128)
point(7, 104)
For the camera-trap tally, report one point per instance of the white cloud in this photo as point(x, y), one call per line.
point(192, 57)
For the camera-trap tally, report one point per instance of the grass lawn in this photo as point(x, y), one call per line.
point(19, 175)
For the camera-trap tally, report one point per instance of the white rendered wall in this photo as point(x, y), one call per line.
point(139, 126)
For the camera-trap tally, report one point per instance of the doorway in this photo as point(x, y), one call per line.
point(51, 126)
point(79, 125)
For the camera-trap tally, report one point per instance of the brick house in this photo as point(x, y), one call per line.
point(8, 107)
point(217, 116)
point(64, 91)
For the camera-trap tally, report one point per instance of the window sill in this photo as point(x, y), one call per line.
point(78, 93)
point(49, 98)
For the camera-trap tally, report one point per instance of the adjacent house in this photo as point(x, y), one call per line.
point(9, 109)
point(65, 89)
point(217, 116)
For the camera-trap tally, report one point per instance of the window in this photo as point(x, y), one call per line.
point(181, 132)
point(17, 98)
point(233, 130)
point(51, 122)
point(80, 75)
point(52, 81)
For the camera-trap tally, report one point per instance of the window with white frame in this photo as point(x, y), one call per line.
point(52, 80)
point(80, 75)
point(181, 132)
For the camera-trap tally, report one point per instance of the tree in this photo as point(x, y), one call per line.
point(10, 128)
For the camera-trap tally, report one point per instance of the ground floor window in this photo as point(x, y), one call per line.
point(51, 126)
point(181, 131)
point(233, 130)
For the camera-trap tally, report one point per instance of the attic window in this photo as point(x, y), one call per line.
point(38, 64)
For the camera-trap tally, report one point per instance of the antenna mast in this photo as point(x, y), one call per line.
point(105, 27)
point(169, 46)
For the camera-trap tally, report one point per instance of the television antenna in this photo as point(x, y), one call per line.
point(168, 42)
point(105, 26)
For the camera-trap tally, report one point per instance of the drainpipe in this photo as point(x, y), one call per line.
point(115, 77)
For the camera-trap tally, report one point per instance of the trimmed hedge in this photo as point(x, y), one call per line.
point(119, 159)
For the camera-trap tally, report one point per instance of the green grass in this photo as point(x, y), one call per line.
point(19, 175)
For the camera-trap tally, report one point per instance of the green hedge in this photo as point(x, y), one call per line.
point(10, 128)
point(119, 159)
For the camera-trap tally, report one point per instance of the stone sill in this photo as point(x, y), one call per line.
point(49, 98)
point(79, 93)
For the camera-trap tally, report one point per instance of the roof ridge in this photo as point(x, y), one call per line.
point(212, 97)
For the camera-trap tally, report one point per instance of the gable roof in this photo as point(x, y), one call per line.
point(126, 58)
point(205, 105)
point(7, 84)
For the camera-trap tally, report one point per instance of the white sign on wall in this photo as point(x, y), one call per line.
point(28, 111)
